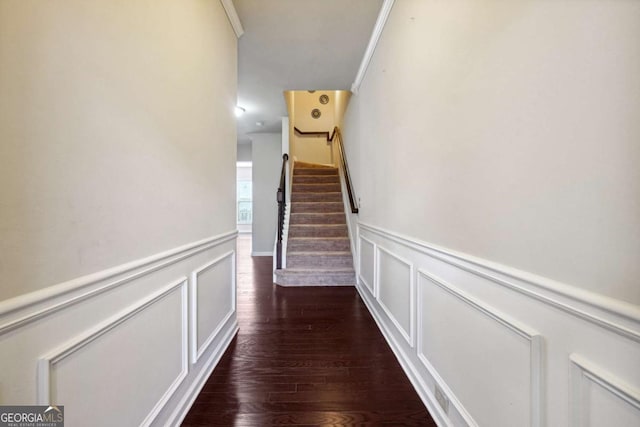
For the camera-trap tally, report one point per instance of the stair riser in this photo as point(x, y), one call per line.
point(319, 231)
point(315, 171)
point(316, 179)
point(319, 261)
point(325, 218)
point(316, 197)
point(328, 207)
point(316, 188)
point(315, 279)
point(318, 245)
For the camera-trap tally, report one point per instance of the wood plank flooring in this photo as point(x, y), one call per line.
point(304, 357)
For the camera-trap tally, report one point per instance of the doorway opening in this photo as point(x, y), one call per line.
point(244, 207)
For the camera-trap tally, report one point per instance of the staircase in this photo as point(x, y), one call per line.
point(318, 250)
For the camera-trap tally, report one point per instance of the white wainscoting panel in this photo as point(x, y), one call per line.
point(617, 316)
point(492, 361)
point(494, 341)
point(396, 291)
point(114, 346)
point(25, 309)
point(600, 399)
point(129, 364)
point(366, 264)
point(213, 301)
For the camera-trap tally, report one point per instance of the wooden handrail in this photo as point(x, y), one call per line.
point(326, 134)
point(336, 136)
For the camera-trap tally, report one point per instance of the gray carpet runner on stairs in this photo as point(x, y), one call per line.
point(318, 249)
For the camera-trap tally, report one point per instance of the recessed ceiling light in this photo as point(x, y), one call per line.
point(239, 111)
point(261, 123)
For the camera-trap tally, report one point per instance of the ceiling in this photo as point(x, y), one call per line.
point(296, 45)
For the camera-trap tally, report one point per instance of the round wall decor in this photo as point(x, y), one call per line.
point(315, 113)
point(324, 99)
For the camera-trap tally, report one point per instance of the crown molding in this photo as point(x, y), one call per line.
point(234, 19)
point(385, 10)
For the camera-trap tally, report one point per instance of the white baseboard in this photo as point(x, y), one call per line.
point(427, 397)
point(261, 253)
point(189, 397)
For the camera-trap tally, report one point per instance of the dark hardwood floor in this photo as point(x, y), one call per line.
point(304, 357)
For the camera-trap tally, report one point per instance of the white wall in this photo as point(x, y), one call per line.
point(510, 130)
point(117, 165)
point(494, 147)
point(267, 162)
point(244, 152)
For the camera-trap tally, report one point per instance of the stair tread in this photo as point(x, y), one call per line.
point(318, 225)
point(314, 270)
point(304, 165)
point(319, 238)
point(324, 253)
point(316, 192)
point(316, 213)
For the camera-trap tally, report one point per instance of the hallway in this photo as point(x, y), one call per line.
point(304, 356)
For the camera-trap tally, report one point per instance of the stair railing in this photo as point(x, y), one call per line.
point(282, 204)
point(336, 136)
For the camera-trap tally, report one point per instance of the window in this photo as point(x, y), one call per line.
point(244, 197)
point(245, 208)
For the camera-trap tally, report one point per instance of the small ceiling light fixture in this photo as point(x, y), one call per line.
point(260, 123)
point(239, 111)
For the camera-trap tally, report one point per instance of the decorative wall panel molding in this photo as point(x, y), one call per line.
point(22, 310)
point(189, 397)
point(395, 307)
point(48, 376)
point(367, 264)
point(405, 358)
point(477, 311)
point(616, 316)
point(230, 257)
point(533, 338)
point(584, 376)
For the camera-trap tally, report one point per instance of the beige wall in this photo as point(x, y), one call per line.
point(117, 134)
point(300, 103)
point(508, 131)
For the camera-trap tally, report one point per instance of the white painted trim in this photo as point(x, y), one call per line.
point(49, 296)
point(551, 290)
point(196, 352)
point(369, 287)
point(534, 338)
point(46, 363)
point(385, 10)
point(262, 253)
point(427, 397)
point(582, 371)
point(233, 17)
point(409, 336)
point(189, 397)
